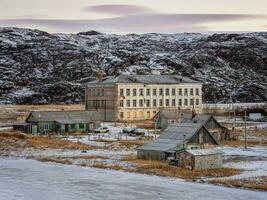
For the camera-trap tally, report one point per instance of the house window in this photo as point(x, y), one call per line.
point(128, 115)
point(160, 91)
point(134, 92)
point(180, 102)
point(134, 114)
point(173, 102)
point(147, 103)
point(148, 92)
point(72, 126)
point(128, 92)
point(81, 126)
point(121, 92)
point(121, 115)
point(98, 92)
point(128, 103)
point(197, 102)
point(186, 92)
point(93, 92)
point(121, 103)
point(197, 91)
point(148, 114)
point(161, 102)
point(180, 91)
point(191, 102)
point(141, 102)
point(46, 126)
point(191, 91)
point(103, 102)
point(134, 103)
point(141, 92)
point(167, 102)
point(103, 92)
point(140, 114)
point(155, 102)
point(185, 102)
point(154, 92)
point(89, 92)
point(173, 91)
point(167, 91)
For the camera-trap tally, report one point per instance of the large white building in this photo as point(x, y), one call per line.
point(140, 97)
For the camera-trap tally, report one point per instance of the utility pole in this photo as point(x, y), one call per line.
point(245, 129)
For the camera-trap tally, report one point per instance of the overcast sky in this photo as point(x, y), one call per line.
point(136, 16)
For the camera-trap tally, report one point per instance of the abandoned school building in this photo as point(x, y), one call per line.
point(176, 137)
point(60, 121)
point(168, 116)
point(140, 97)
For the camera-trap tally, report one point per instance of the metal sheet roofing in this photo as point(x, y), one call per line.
point(145, 79)
point(202, 152)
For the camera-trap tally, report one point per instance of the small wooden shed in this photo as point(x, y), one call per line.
point(199, 159)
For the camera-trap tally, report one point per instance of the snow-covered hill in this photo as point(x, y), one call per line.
point(38, 67)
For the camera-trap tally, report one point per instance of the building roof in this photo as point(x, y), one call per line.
point(172, 113)
point(199, 118)
point(144, 79)
point(173, 137)
point(203, 152)
point(64, 117)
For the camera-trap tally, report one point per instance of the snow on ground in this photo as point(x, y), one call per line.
point(28, 180)
point(239, 151)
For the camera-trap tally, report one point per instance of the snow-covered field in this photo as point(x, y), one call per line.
point(29, 180)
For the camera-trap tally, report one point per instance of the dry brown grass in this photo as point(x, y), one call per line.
point(103, 165)
point(259, 183)
point(130, 143)
point(93, 156)
point(12, 134)
point(56, 160)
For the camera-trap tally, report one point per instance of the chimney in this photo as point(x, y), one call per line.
point(100, 75)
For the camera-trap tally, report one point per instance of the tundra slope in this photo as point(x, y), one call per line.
point(38, 67)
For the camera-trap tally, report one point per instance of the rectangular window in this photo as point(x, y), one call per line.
point(140, 114)
point(197, 91)
point(128, 115)
point(81, 126)
point(121, 115)
point(148, 114)
point(173, 102)
point(128, 103)
point(154, 102)
point(180, 91)
point(147, 103)
point(102, 92)
point(46, 126)
point(161, 102)
point(173, 91)
point(89, 92)
point(185, 102)
point(147, 92)
point(121, 103)
point(72, 126)
point(93, 91)
point(191, 91)
point(141, 92)
point(128, 92)
point(154, 92)
point(160, 91)
point(197, 102)
point(191, 102)
point(167, 102)
point(180, 102)
point(134, 114)
point(103, 102)
point(141, 102)
point(134, 92)
point(167, 91)
point(98, 92)
point(121, 92)
point(134, 103)
point(186, 92)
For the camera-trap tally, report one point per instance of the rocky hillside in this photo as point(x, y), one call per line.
point(38, 67)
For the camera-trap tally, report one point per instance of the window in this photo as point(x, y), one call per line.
point(81, 126)
point(121, 92)
point(180, 102)
point(185, 102)
point(191, 102)
point(186, 92)
point(89, 92)
point(128, 115)
point(103, 103)
point(197, 102)
point(167, 102)
point(134, 92)
point(173, 102)
point(72, 126)
point(102, 92)
point(155, 102)
point(173, 91)
point(128, 92)
point(148, 92)
point(167, 91)
point(160, 102)
point(134, 103)
point(121, 115)
point(128, 103)
point(148, 114)
point(46, 126)
point(180, 91)
point(134, 114)
point(141, 102)
point(154, 92)
point(197, 91)
point(98, 92)
point(140, 114)
point(160, 91)
point(141, 92)
point(191, 91)
point(121, 103)
point(93, 92)
point(147, 103)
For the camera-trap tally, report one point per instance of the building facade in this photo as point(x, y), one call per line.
point(140, 97)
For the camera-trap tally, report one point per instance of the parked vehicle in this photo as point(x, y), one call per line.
point(139, 131)
point(101, 130)
point(128, 129)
